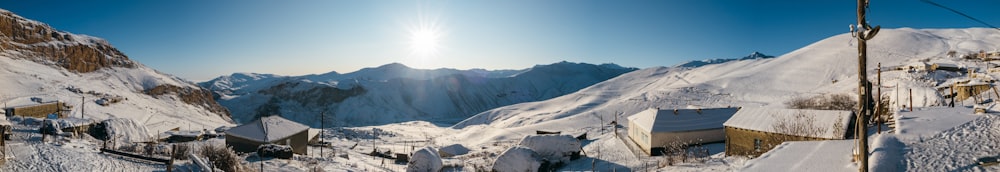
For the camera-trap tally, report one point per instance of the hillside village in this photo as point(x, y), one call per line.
point(936, 111)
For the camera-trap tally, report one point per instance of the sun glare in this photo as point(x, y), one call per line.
point(424, 41)
point(426, 36)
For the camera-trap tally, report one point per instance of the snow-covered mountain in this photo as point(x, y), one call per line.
point(827, 66)
point(37, 61)
point(699, 63)
point(394, 92)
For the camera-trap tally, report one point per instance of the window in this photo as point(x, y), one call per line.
point(757, 144)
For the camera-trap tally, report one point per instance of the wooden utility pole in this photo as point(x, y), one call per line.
point(952, 90)
point(878, 100)
point(82, 102)
point(322, 120)
point(863, 33)
point(911, 100)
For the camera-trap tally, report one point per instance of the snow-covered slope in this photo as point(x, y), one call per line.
point(700, 63)
point(827, 66)
point(39, 61)
point(394, 92)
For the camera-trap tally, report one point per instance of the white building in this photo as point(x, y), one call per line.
point(653, 129)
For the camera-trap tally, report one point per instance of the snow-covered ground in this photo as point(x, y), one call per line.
point(942, 139)
point(806, 156)
point(931, 138)
point(28, 152)
point(51, 84)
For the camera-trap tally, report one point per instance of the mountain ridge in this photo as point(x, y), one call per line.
point(699, 63)
point(47, 62)
point(401, 91)
point(823, 67)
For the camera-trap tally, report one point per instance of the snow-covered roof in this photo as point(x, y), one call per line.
point(194, 133)
point(671, 120)
point(917, 64)
point(832, 155)
point(517, 158)
point(552, 147)
point(454, 149)
point(975, 82)
point(267, 129)
point(764, 119)
point(950, 65)
point(314, 132)
point(71, 122)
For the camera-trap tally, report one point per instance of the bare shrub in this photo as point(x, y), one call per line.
point(222, 157)
point(795, 129)
point(698, 152)
point(682, 152)
point(133, 147)
point(839, 126)
point(824, 102)
point(882, 111)
point(149, 149)
point(182, 151)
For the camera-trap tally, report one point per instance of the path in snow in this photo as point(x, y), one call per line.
point(28, 153)
point(958, 148)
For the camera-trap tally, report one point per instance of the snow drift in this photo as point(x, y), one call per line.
point(122, 130)
point(517, 158)
point(425, 160)
point(453, 150)
point(553, 148)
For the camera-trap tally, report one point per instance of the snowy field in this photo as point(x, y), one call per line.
point(943, 139)
point(930, 138)
point(27, 152)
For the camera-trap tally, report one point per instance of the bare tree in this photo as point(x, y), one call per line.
point(794, 128)
point(824, 102)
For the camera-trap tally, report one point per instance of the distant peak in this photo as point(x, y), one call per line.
point(250, 75)
point(244, 74)
point(612, 66)
point(756, 55)
point(394, 65)
point(699, 63)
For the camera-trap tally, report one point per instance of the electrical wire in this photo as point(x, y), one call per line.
point(959, 13)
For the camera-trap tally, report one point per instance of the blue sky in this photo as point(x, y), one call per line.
point(200, 40)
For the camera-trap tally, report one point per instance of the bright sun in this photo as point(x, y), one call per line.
point(424, 41)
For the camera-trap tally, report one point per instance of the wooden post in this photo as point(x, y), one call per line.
point(82, 102)
point(911, 100)
point(173, 153)
point(322, 120)
point(878, 100)
point(3, 144)
point(952, 89)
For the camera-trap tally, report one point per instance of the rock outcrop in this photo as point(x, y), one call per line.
point(23, 38)
point(194, 96)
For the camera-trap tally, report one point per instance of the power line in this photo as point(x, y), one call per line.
point(959, 13)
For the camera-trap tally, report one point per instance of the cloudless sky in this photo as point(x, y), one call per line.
point(202, 39)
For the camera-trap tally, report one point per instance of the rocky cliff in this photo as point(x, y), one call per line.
point(21, 38)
